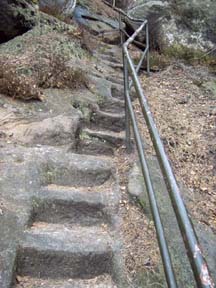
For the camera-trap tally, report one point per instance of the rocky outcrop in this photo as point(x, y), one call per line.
point(186, 23)
point(16, 17)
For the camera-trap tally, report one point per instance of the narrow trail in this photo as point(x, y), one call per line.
point(73, 234)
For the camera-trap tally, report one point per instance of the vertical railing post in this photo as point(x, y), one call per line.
point(120, 29)
point(126, 89)
point(147, 54)
point(127, 115)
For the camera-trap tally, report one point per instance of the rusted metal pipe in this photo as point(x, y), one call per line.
point(165, 255)
point(198, 263)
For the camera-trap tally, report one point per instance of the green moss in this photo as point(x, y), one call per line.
point(37, 39)
point(100, 99)
point(28, 15)
point(210, 87)
point(142, 203)
point(84, 136)
point(35, 202)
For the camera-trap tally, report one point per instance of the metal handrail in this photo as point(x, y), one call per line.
point(197, 261)
point(125, 15)
point(130, 117)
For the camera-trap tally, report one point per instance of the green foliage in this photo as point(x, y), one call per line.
point(190, 55)
point(159, 61)
point(176, 52)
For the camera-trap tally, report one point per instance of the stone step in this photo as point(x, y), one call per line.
point(77, 206)
point(118, 92)
point(110, 50)
point(113, 64)
point(104, 281)
point(116, 80)
point(71, 169)
point(114, 138)
point(113, 77)
point(107, 120)
point(93, 146)
point(113, 105)
point(59, 252)
point(111, 58)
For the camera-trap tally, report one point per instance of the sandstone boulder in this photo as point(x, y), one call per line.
point(188, 23)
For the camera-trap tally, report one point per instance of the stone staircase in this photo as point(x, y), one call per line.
point(105, 131)
point(72, 238)
point(72, 232)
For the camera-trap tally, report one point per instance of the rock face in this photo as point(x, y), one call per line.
point(188, 23)
point(16, 17)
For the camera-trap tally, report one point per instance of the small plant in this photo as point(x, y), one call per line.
point(159, 61)
point(176, 52)
point(23, 80)
point(58, 74)
point(15, 85)
point(55, 11)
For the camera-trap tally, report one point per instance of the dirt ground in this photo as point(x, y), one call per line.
point(185, 113)
point(140, 249)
